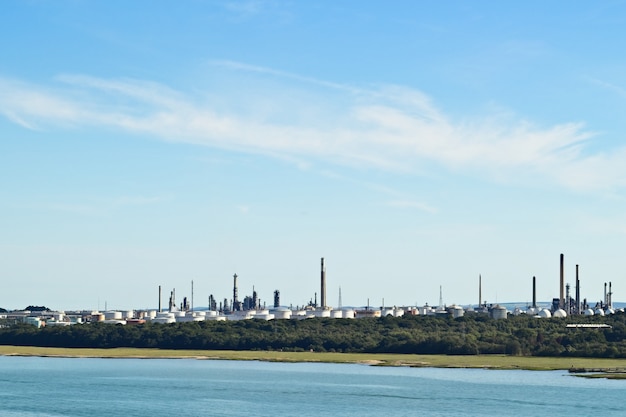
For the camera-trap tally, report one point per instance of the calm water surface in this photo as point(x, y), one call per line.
point(53, 387)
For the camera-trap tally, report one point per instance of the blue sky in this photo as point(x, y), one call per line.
point(413, 145)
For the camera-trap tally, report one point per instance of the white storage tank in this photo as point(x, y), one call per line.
point(336, 314)
point(347, 314)
point(216, 318)
point(113, 321)
point(282, 313)
point(544, 313)
point(322, 313)
point(560, 313)
point(588, 312)
point(599, 312)
point(266, 315)
point(388, 311)
point(112, 315)
point(457, 311)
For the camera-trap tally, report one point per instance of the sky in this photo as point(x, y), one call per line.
point(414, 145)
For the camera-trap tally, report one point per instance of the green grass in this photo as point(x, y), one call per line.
point(440, 361)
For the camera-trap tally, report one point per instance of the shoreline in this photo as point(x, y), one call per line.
point(531, 363)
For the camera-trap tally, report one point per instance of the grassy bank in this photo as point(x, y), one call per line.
point(442, 361)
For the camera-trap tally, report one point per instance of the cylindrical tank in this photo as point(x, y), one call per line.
point(322, 313)
point(544, 313)
point(113, 315)
point(560, 313)
point(347, 313)
point(336, 314)
point(282, 313)
point(498, 312)
point(114, 321)
point(457, 311)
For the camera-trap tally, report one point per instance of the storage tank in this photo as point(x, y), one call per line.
point(347, 313)
point(599, 312)
point(114, 321)
point(560, 313)
point(544, 313)
point(367, 313)
point(216, 318)
point(457, 311)
point(164, 318)
point(336, 314)
point(281, 313)
point(588, 312)
point(113, 315)
point(265, 315)
point(499, 312)
point(321, 313)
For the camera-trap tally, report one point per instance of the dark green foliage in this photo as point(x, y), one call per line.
point(37, 308)
point(469, 335)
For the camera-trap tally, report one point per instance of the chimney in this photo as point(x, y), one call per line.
point(480, 290)
point(577, 292)
point(562, 288)
point(323, 286)
point(534, 292)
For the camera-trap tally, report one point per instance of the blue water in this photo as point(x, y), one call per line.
point(52, 387)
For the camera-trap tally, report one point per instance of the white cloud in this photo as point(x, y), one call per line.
point(389, 128)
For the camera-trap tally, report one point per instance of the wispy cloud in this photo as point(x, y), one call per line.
point(392, 128)
point(621, 91)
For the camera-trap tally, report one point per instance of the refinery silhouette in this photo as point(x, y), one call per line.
point(251, 307)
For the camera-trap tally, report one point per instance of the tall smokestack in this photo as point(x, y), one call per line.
point(561, 293)
point(577, 292)
point(534, 292)
point(606, 301)
point(480, 290)
point(159, 298)
point(323, 286)
point(235, 300)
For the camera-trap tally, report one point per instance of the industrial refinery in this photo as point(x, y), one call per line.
point(251, 307)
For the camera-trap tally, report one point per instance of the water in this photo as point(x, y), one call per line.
point(53, 387)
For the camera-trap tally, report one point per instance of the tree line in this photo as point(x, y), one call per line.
point(469, 335)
